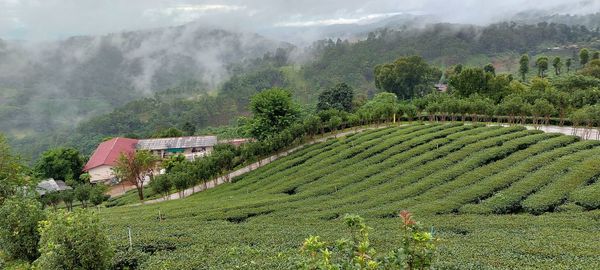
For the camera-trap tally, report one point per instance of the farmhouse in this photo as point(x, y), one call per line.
point(106, 155)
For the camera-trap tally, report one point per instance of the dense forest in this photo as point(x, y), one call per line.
point(49, 87)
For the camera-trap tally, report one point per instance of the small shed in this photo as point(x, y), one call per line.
point(51, 185)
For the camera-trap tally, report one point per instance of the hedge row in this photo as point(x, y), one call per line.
point(378, 184)
point(508, 200)
point(338, 158)
point(480, 153)
point(366, 165)
point(440, 171)
point(353, 178)
point(557, 192)
point(587, 196)
point(399, 154)
point(319, 157)
point(370, 158)
point(488, 170)
point(489, 185)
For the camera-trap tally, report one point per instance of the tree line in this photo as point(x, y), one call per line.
point(474, 94)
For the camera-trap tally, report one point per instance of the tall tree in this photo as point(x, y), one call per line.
point(524, 66)
point(568, 64)
point(162, 185)
point(188, 129)
point(584, 56)
point(407, 77)
point(557, 64)
point(339, 97)
point(135, 168)
point(168, 133)
point(82, 193)
point(382, 107)
point(11, 169)
point(489, 68)
point(542, 65)
point(60, 163)
point(273, 111)
point(469, 81)
point(592, 69)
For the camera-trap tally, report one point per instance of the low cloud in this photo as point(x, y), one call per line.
point(52, 19)
point(359, 20)
point(186, 13)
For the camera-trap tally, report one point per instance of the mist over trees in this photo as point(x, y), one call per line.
point(325, 64)
point(52, 86)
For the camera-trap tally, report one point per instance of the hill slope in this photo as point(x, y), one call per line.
point(56, 84)
point(432, 170)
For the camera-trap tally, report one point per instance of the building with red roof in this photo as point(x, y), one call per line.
point(105, 157)
point(101, 163)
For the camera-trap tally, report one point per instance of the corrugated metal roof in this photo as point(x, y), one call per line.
point(51, 185)
point(178, 142)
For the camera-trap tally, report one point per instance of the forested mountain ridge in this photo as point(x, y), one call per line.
point(51, 85)
point(591, 21)
point(332, 62)
point(327, 62)
point(443, 44)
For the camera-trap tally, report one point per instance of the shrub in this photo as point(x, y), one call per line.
point(416, 251)
point(181, 181)
point(161, 184)
point(556, 192)
point(82, 194)
point(73, 240)
point(128, 259)
point(68, 196)
point(18, 227)
point(97, 195)
point(588, 196)
point(51, 199)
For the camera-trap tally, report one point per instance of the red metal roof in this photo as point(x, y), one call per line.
point(108, 152)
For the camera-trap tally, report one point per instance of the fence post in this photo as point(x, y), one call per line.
point(129, 234)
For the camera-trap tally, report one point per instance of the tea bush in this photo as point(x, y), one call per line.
point(415, 252)
point(448, 174)
point(73, 240)
point(18, 227)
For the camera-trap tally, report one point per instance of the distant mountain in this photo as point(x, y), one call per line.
point(591, 21)
point(305, 35)
point(48, 85)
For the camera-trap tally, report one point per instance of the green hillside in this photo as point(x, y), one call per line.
point(498, 197)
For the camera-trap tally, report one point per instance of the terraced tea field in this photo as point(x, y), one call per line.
point(498, 197)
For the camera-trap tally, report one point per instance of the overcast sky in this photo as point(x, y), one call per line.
point(52, 19)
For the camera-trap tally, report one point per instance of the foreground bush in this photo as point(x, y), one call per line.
point(19, 219)
point(416, 251)
point(73, 240)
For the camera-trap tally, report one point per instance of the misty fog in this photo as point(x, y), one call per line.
point(64, 61)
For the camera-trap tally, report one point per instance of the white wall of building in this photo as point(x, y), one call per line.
point(101, 174)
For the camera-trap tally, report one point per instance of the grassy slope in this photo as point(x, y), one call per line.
point(262, 218)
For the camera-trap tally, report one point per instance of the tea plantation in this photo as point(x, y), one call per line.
point(497, 197)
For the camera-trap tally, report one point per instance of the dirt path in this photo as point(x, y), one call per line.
point(589, 134)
